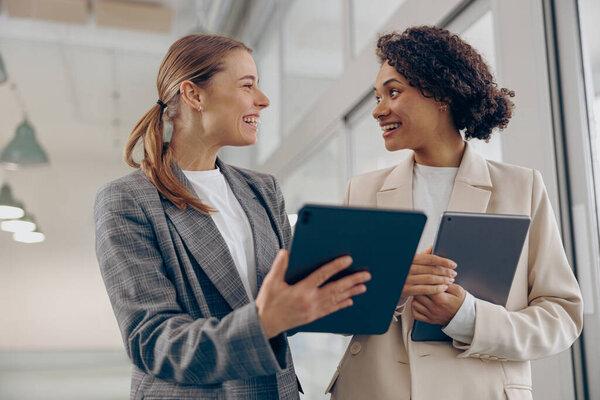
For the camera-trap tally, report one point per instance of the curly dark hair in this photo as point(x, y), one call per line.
point(441, 65)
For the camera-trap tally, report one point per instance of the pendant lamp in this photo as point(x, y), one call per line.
point(9, 207)
point(23, 149)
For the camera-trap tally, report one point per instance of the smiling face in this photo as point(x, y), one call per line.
point(408, 119)
point(232, 102)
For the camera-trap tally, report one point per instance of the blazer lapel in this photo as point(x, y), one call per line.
point(473, 185)
point(207, 246)
point(396, 191)
point(261, 221)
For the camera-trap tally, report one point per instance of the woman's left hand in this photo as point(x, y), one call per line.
point(439, 308)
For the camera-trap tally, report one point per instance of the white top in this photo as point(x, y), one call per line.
point(231, 220)
point(432, 188)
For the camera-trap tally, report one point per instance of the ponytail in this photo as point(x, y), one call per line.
point(157, 160)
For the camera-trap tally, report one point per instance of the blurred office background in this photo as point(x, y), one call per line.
point(76, 75)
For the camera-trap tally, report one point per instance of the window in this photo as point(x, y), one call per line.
point(269, 73)
point(367, 19)
point(313, 55)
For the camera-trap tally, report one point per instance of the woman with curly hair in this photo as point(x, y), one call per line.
point(430, 87)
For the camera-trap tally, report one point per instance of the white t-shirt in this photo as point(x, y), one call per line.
point(231, 220)
point(432, 188)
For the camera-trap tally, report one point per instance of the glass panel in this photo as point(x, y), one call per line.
point(313, 55)
point(367, 20)
point(269, 72)
point(321, 178)
point(589, 14)
point(480, 35)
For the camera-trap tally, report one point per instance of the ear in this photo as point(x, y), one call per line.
point(192, 94)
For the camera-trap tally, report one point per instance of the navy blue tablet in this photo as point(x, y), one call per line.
point(486, 248)
point(380, 241)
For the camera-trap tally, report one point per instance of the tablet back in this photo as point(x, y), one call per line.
point(486, 248)
point(381, 241)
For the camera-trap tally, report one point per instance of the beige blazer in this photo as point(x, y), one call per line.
point(543, 314)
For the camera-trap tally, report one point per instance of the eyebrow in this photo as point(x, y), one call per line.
point(251, 77)
point(388, 82)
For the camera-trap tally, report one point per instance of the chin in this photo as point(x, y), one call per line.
point(393, 146)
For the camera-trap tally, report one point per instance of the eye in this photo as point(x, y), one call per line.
point(394, 92)
point(377, 99)
point(249, 85)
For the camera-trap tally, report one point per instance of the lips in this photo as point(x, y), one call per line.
point(389, 128)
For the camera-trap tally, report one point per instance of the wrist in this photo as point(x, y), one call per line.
point(268, 328)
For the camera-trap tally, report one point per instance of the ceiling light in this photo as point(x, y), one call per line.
point(29, 237)
point(9, 208)
point(23, 149)
point(23, 224)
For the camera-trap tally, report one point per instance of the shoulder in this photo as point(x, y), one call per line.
point(370, 180)
point(264, 182)
point(504, 173)
point(254, 176)
point(362, 189)
point(131, 188)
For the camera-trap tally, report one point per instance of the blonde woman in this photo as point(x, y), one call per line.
point(189, 247)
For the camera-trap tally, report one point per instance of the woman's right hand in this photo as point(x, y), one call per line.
point(429, 274)
point(282, 307)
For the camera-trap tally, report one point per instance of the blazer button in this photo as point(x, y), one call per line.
point(493, 358)
point(355, 348)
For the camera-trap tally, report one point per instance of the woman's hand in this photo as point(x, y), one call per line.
point(439, 308)
point(281, 306)
point(428, 275)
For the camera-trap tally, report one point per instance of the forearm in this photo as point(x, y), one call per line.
point(542, 329)
point(206, 351)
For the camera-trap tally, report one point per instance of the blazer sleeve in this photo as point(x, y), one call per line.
point(553, 318)
point(281, 215)
point(160, 338)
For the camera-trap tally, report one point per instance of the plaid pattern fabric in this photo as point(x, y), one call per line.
point(185, 318)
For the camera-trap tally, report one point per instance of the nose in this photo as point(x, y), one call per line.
point(380, 110)
point(262, 100)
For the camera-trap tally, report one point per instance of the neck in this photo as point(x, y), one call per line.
point(192, 151)
point(442, 153)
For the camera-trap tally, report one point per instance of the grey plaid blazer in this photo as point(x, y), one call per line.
point(186, 320)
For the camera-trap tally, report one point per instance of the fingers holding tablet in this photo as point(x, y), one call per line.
point(282, 306)
point(429, 274)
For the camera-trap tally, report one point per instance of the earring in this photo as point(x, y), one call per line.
point(200, 108)
point(443, 108)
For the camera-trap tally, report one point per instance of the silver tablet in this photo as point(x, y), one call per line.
point(486, 248)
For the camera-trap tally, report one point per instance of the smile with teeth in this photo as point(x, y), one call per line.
point(254, 121)
point(390, 127)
